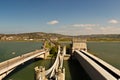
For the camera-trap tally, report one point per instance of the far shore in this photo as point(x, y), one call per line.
point(58, 41)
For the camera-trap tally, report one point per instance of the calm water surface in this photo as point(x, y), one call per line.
point(8, 48)
point(25, 71)
point(108, 51)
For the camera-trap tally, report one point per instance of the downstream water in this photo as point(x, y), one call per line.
point(108, 51)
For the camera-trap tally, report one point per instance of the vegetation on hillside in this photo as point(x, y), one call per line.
point(42, 36)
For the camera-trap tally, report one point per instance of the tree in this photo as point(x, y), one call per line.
point(53, 50)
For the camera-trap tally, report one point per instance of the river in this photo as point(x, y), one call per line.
point(108, 51)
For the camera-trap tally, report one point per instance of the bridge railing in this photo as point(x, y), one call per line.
point(53, 66)
point(95, 71)
point(62, 57)
point(55, 69)
point(12, 63)
point(58, 70)
point(111, 69)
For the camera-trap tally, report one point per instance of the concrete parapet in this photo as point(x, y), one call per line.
point(44, 55)
point(60, 74)
point(95, 71)
point(5, 74)
point(109, 68)
point(67, 57)
point(40, 73)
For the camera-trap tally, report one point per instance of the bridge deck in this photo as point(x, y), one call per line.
point(95, 70)
point(12, 63)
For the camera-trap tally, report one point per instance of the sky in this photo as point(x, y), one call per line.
point(69, 17)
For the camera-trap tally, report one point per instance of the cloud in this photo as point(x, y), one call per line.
point(70, 30)
point(113, 21)
point(53, 22)
point(89, 28)
point(110, 30)
point(85, 25)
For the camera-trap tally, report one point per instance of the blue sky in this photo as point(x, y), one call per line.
point(70, 17)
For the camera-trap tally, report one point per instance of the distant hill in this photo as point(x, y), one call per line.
point(101, 37)
point(43, 35)
point(27, 36)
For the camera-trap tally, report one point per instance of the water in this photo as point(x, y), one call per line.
point(108, 51)
point(74, 71)
point(8, 48)
point(26, 71)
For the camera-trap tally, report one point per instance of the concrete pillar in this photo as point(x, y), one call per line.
point(64, 50)
point(46, 54)
point(63, 73)
point(60, 74)
point(40, 73)
point(58, 47)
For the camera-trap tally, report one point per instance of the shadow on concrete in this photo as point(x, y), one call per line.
point(76, 70)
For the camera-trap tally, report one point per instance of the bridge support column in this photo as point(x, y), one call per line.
point(64, 50)
point(46, 54)
point(60, 74)
point(40, 73)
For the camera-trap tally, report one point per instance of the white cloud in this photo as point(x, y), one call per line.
point(85, 25)
point(53, 22)
point(113, 21)
point(110, 30)
point(89, 28)
point(70, 30)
